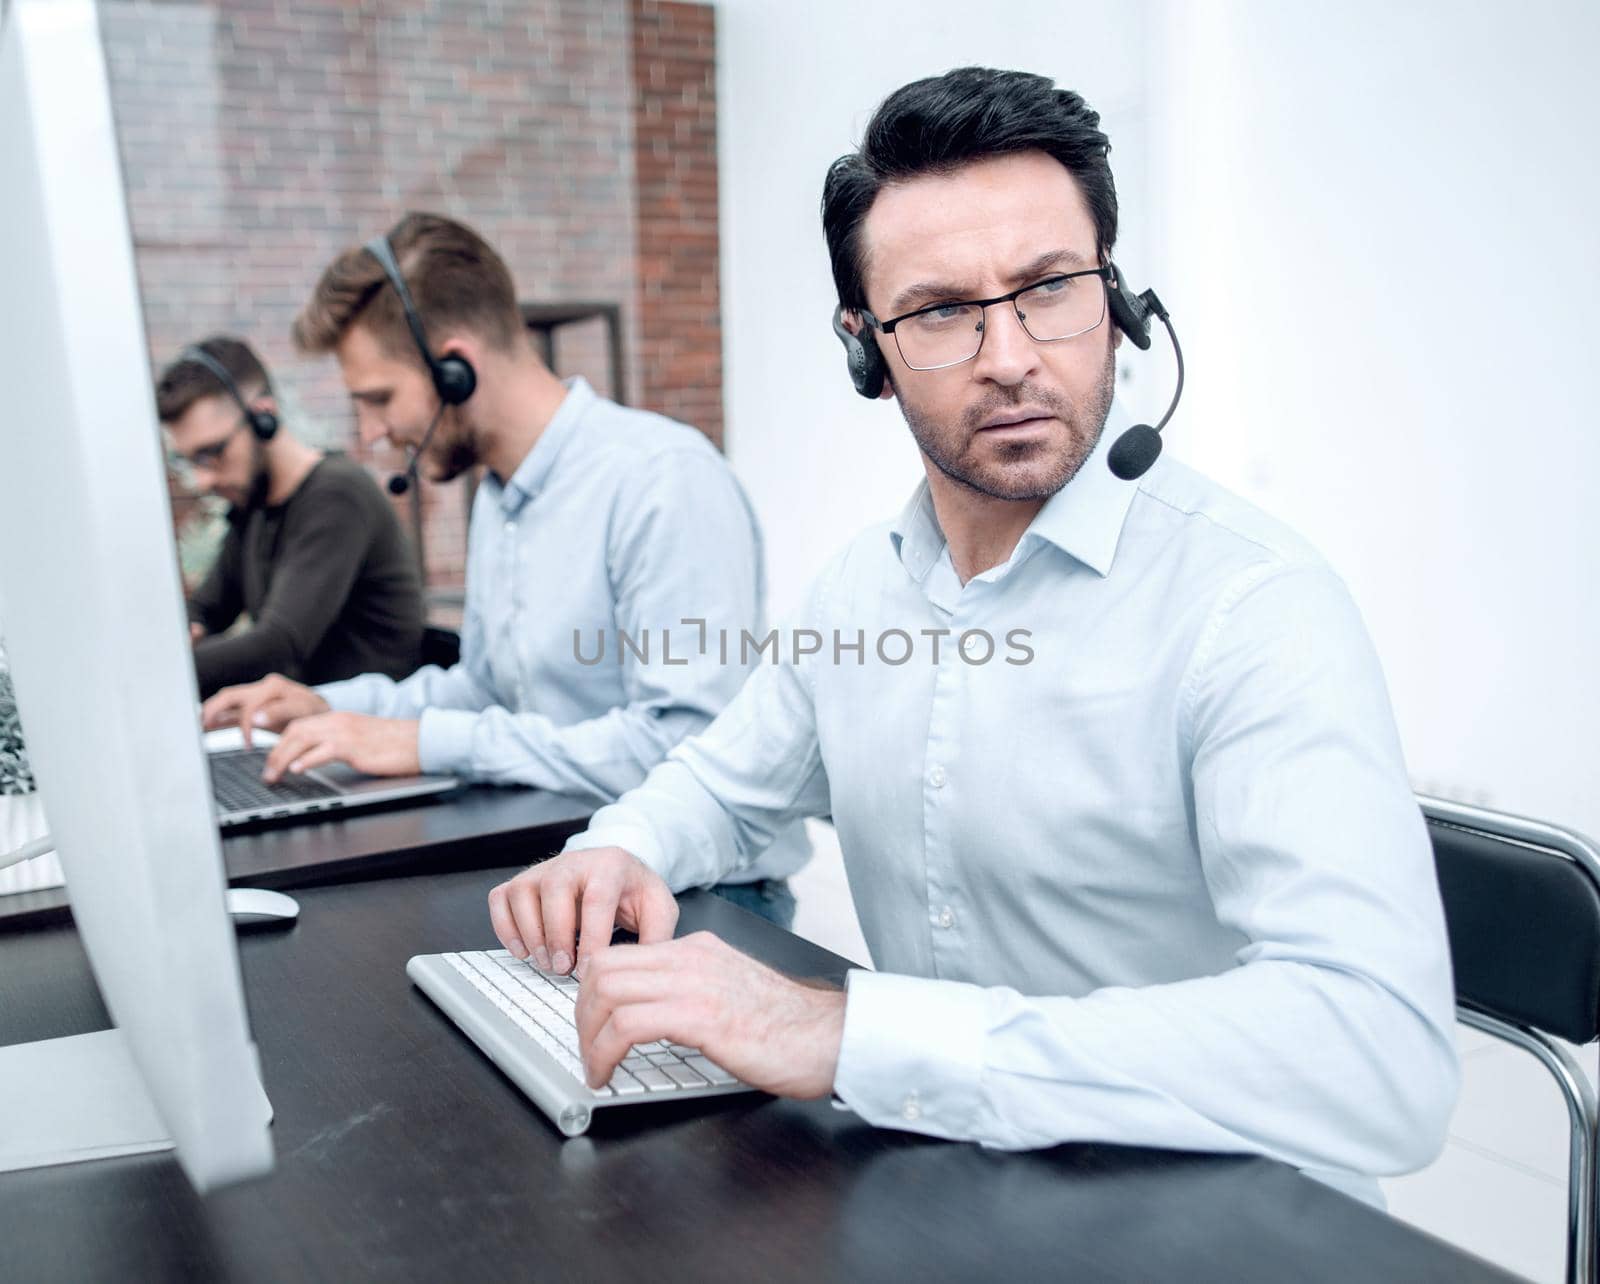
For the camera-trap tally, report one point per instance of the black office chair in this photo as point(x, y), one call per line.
point(1522, 906)
point(440, 646)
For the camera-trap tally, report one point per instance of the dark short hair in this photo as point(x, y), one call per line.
point(455, 279)
point(186, 381)
point(937, 125)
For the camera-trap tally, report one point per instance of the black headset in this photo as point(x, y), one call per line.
point(1132, 453)
point(262, 422)
point(454, 379)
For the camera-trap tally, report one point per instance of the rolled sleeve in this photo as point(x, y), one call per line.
point(444, 741)
point(722, 797)
point(365, 694)
point(637, 840)
point(912, 1053)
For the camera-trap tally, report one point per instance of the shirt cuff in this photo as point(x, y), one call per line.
point(338, 695)
point(912, 1053)
point(444, 741)
point(352, 695)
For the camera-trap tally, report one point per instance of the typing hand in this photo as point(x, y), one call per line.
point(536, 913)
point(271, 704)
point(377, 746)
point(774, 1033)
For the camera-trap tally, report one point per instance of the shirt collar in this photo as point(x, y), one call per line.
point(534, 470)
point(1084, 518)
point(915, 534)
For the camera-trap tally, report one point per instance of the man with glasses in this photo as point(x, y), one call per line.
point(314, 555)
point(1156, 879)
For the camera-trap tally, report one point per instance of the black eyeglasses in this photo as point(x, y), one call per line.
point(206, 456)
point(946, 334)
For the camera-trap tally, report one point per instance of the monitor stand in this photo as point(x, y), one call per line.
point(63, 1101)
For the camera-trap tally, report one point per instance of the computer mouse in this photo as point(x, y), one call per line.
point(252, 905)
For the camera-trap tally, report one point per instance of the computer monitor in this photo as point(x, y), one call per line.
point(92, 609)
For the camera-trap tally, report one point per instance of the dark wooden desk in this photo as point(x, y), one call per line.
point(402, 1153)
point(473, 828)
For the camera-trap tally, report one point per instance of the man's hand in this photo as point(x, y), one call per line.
point(196, 632)
point(377, 746)
point(270, 704)
point(774, 1033)
point(536, 914)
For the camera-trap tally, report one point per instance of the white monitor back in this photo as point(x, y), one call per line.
point(92, 602)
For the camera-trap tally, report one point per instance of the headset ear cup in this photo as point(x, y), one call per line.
point(454, 379)
point(264, 424)
point(864, 358)
point(1129, 313)
point(873, 369)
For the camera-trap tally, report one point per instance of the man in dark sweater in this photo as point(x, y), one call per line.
point(313, 555)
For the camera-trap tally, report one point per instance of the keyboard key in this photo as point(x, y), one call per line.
point(683, 1076)
point(236, 781)
point(654, 1080)
point(713, 1072)
point(625, 1085)
point(542, 1009)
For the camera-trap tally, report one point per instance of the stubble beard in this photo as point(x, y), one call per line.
point(948, 447)
point(255, 495)
point(454, 448)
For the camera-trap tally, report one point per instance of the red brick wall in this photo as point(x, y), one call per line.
point(675, 161)
point(260, 137)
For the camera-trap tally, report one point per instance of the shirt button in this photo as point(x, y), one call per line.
point(911, 1111)
point(936, 777)
point(947, 917)
point(510, 528)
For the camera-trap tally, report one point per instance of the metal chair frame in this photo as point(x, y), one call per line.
point(1583, 1112)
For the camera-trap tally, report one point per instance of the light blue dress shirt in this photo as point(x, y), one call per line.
point(1162, 884)
point(617, 522)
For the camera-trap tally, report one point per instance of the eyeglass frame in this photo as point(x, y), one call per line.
point(208, 457)
point(888, 327)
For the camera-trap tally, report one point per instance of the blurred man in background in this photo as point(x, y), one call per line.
point(314, 555)
point(592, 521)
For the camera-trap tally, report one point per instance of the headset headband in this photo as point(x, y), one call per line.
point(262, 422)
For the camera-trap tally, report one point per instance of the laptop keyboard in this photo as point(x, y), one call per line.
point(236, 782)
point(542, 1005)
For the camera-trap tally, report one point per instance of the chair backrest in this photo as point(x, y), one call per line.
point(440, 646)
point(1522, 907)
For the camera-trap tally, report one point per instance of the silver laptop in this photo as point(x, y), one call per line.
point(242, 796)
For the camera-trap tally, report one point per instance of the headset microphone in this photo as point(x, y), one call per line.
point(453, 377)
point(400, 483)
point(1132, 453)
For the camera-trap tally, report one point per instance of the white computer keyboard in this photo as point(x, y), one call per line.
point(523, 1019)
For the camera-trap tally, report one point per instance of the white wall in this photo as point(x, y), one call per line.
point(1377, 224)
point(1374, 226)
